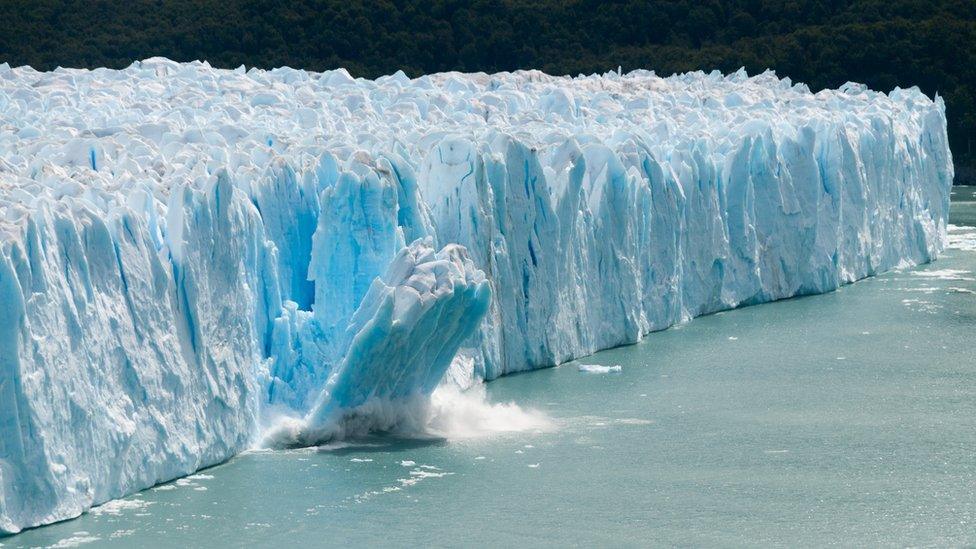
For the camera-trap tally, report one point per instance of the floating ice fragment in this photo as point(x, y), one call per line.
point(417, 475)
point(116, 507)
point(961, 238)
point(634, 421)
point(599, 369)
point(78, 538)
point(946, 274)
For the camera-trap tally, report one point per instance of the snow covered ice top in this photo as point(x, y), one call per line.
point(100, 135)
point(193, 259)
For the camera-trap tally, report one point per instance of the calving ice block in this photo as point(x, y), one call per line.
point(194, 261)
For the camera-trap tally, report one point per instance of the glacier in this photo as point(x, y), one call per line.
point(195, 261)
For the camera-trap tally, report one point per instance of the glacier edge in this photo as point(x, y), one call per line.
point(178, 274)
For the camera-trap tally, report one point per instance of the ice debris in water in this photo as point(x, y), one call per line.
point(961, 238)
point(118, 506)
point(945, 274)
point(599, 369)
point(193, 260)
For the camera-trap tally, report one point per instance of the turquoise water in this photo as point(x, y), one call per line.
point(847, 418)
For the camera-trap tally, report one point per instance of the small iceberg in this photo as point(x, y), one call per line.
point(600, 369)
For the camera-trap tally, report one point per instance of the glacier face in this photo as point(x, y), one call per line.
point(193, 261)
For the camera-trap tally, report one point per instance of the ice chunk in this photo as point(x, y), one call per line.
point(600, 369)
point(406, 332)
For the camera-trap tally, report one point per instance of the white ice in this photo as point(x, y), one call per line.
point(599, 369)
point(193, 260)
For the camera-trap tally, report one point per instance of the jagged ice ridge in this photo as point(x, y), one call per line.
point(194, 261)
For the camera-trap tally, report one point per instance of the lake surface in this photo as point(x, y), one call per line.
point(847, 418)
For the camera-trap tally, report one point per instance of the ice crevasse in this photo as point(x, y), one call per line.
point(194, 260)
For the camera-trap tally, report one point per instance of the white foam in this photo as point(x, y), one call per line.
point(450, 412)
point(418, 475)
point(78, 538)
point(634, 421)
point(961, 290)
point(946, 274)
point(961, 238)
point(468, 414)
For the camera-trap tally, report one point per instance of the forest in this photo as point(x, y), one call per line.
point(823, 43)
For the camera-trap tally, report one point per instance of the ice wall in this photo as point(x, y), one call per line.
point(193, 261)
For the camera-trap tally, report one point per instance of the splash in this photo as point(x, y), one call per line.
point(463, 414)
point(450, 412)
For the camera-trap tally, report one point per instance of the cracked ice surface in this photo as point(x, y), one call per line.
point(191, 258)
